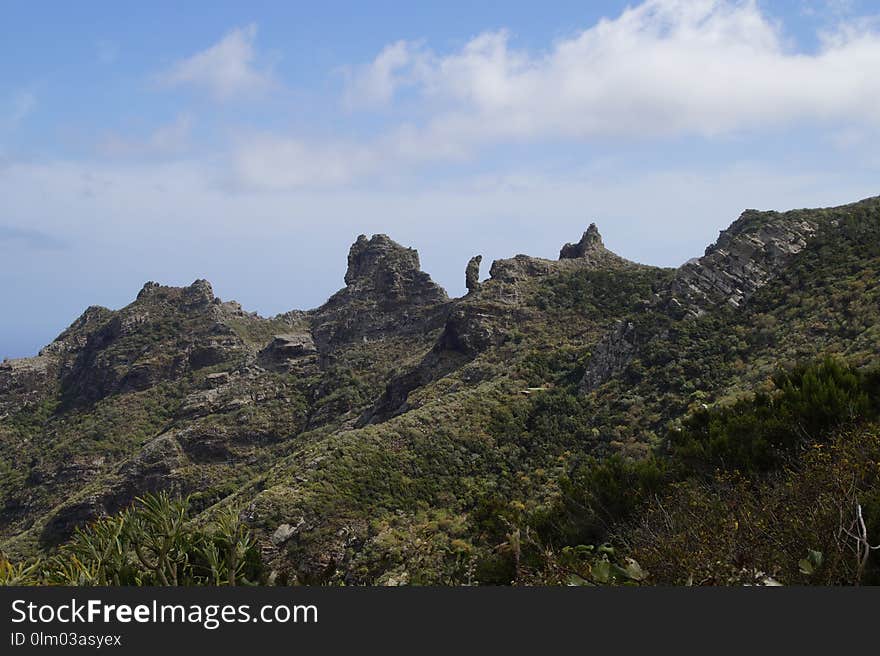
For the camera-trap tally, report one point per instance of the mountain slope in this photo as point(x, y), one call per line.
point(374, 438)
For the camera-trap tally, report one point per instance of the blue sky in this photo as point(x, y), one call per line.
point(250, 143)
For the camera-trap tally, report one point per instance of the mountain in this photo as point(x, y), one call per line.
point(396, 435)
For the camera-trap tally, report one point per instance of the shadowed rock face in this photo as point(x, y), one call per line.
point(150, 471)
point(610, 356)
point(382, 270)
point(21, 382)
point(164, 334)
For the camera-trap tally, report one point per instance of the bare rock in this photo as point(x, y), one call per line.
point(472, 273)
point(610, 356)
point(291, 345)
point(590, 242)
point(386, 293)
point(746, 256)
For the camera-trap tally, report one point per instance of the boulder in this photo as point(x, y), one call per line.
point(291, 345)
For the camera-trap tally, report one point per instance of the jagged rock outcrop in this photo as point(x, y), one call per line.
point(472, 273)
point(385, 292)
point(746, 256)
point(520, 267)
point(590, 250)
point(588, 253)
point(483, 319)
point(590, 242)
point(380, 269)
point(165, 333)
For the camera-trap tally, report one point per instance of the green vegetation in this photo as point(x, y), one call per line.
point(741, 493)
point(599, 293)
point(152, 543)
point(760, 433)
point(738, 446)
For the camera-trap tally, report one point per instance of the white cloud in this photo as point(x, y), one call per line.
point(271, 162)
point(276, 162)
point(374, 85)
point(666, 68)
point(226, 69)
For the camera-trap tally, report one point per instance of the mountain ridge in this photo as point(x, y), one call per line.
point(393, 400)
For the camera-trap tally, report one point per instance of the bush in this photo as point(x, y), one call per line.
point(757, 434)
point(151, 543)
point(791, 525)
point(597, 494)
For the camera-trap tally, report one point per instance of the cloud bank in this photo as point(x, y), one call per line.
point(664, 69)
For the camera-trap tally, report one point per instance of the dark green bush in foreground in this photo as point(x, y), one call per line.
point(759, 434)
point(151, 543)
point(740, 494)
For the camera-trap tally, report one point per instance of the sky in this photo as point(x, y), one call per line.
point(250, 143)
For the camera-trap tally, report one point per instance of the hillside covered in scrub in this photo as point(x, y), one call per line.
point(585, 420)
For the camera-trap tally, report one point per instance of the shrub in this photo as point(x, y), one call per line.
point(758, 434)
point(151, 543)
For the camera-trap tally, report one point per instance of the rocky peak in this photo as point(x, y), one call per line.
point(199, 293)
point(386, 293)
point(164, 334)
point(76, 335)
point(589, 253)
point(148, 288)
point(380, 266)
point(366, 257)
point(591, 242)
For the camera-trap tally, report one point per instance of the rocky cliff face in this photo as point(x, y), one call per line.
point(385, 293)
point(166, 333)
point(610, 356)
point(746, 256)
point(382, 271)
point(22, 382)
point(489, 314)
